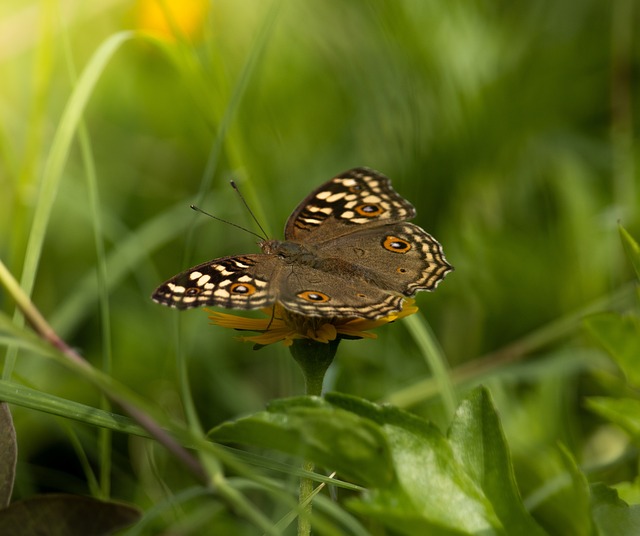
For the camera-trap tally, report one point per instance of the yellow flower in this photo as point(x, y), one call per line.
point(170, 19)
point(285, 326)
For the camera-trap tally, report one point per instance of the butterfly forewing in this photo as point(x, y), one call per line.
point(240, 282)
point(356, 198)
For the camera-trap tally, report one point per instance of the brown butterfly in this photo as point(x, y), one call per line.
point(349, 251)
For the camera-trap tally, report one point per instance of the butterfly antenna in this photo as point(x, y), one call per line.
point(198, 209)
point(244, 202)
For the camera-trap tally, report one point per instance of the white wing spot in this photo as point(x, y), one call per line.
point(324, 210)
point(222, 270)
point(335, 197)
point(323, 195)
point(195, 275)
point(347, 214)
point(204, 279)
point(221, 293)
point(176, 289)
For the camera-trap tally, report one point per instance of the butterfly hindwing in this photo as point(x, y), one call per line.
point(399, 258)
point(309, 292)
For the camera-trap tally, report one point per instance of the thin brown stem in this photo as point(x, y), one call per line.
point(47, 333)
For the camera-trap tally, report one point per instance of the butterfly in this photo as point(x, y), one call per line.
point(349, 252)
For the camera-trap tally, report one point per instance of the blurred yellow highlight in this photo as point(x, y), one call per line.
point(172, 20)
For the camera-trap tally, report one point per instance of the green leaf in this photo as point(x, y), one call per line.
point(611, 515)
point(420, 481)
point(8, 454)
point(629, 491)
point(631, 248)
point(62, 515)
point(620, 337)
point(625, 412)
point(37, 400)
point(433, 494)
point(561, 503)
point(311, 428)
point(479, 444)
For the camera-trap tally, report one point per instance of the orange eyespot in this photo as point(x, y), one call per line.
point(192, 291)
point(313, 296)
point(369, 210)
point(396, 245)
point(401, 270)
point(245, 289)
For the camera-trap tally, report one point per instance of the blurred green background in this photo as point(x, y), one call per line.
point(509, 125)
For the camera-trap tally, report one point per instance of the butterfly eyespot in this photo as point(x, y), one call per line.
point(242, 288)
point(361, 295)
point(395, 244)
point(369, 210)
point(192, 291)
point(312, 296)
point(401, 270)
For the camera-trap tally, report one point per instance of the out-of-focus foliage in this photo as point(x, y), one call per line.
point(511, 126)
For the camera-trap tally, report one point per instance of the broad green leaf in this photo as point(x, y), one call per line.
point(620, 337)
point(479, 444)
point(625, 412)
point(8, 454)
point(433, 494)
point(62, 515)
point(631, 248)
point(418, 482)
point(311, 428)
point(611, 515)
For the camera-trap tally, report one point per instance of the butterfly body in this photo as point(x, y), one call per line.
point(348, 252)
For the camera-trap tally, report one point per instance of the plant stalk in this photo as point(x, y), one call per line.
point(314, 359)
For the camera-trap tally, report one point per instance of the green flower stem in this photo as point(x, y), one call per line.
point(314, 359)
